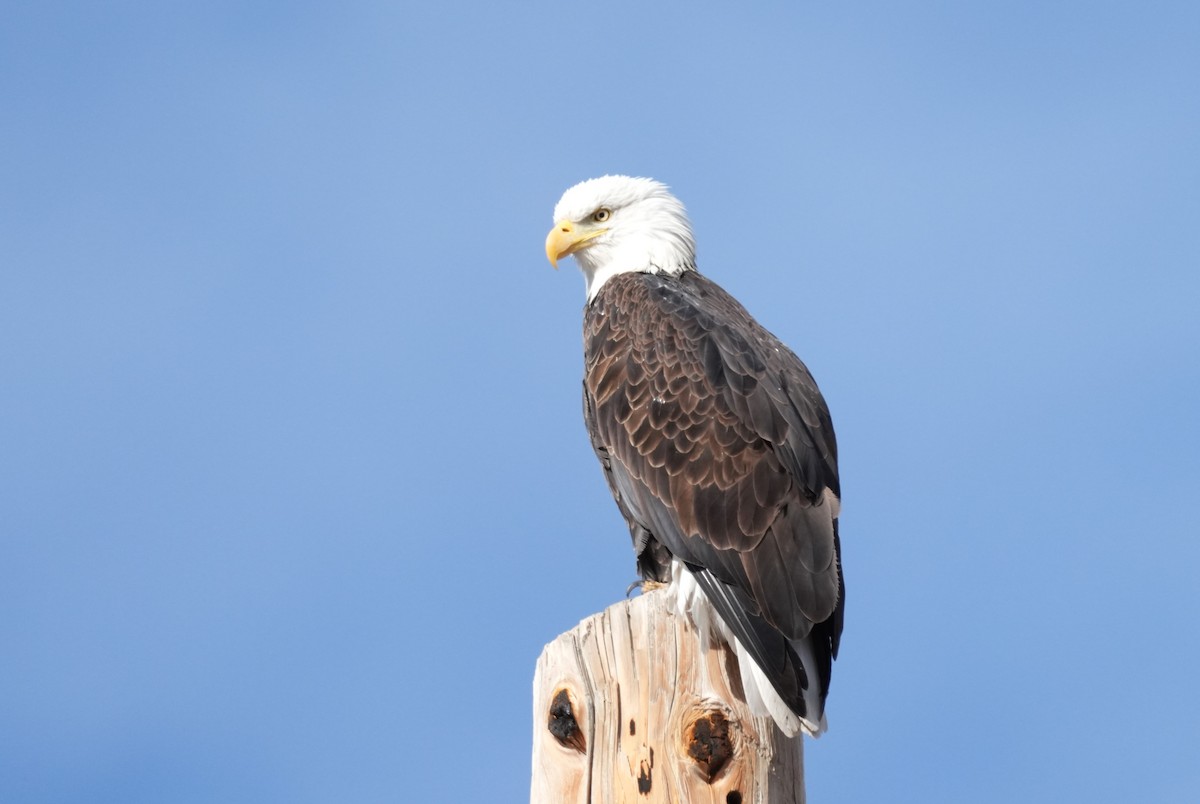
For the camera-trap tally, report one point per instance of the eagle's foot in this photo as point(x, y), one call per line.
point(645, 585)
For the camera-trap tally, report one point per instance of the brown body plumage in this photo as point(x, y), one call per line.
point(720, 452)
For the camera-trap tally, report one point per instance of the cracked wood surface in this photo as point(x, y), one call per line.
point(630, 707)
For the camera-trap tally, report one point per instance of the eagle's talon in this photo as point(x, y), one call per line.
point(645, 585)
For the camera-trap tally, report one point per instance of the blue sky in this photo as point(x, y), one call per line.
point(293, 481)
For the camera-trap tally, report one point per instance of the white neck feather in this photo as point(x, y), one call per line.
point(625, 261)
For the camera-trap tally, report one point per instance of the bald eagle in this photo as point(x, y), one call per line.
point(716, 444)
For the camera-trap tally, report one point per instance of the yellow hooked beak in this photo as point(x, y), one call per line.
point(567, 238)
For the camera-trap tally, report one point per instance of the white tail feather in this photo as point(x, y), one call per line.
point(761, 697)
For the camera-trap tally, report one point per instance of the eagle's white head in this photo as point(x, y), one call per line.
point(619, 224)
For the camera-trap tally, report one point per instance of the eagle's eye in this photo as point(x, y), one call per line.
point(601, 215)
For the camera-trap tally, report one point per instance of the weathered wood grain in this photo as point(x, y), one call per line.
point(629, 706)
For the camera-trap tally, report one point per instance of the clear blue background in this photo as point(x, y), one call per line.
point(293, 481)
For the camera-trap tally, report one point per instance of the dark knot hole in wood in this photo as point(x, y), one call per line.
point(708, 743)
point(645, 779)
point(563, 724)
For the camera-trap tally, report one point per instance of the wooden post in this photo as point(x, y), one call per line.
point(629, 706)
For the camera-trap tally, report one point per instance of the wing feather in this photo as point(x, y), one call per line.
point(719, 450)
